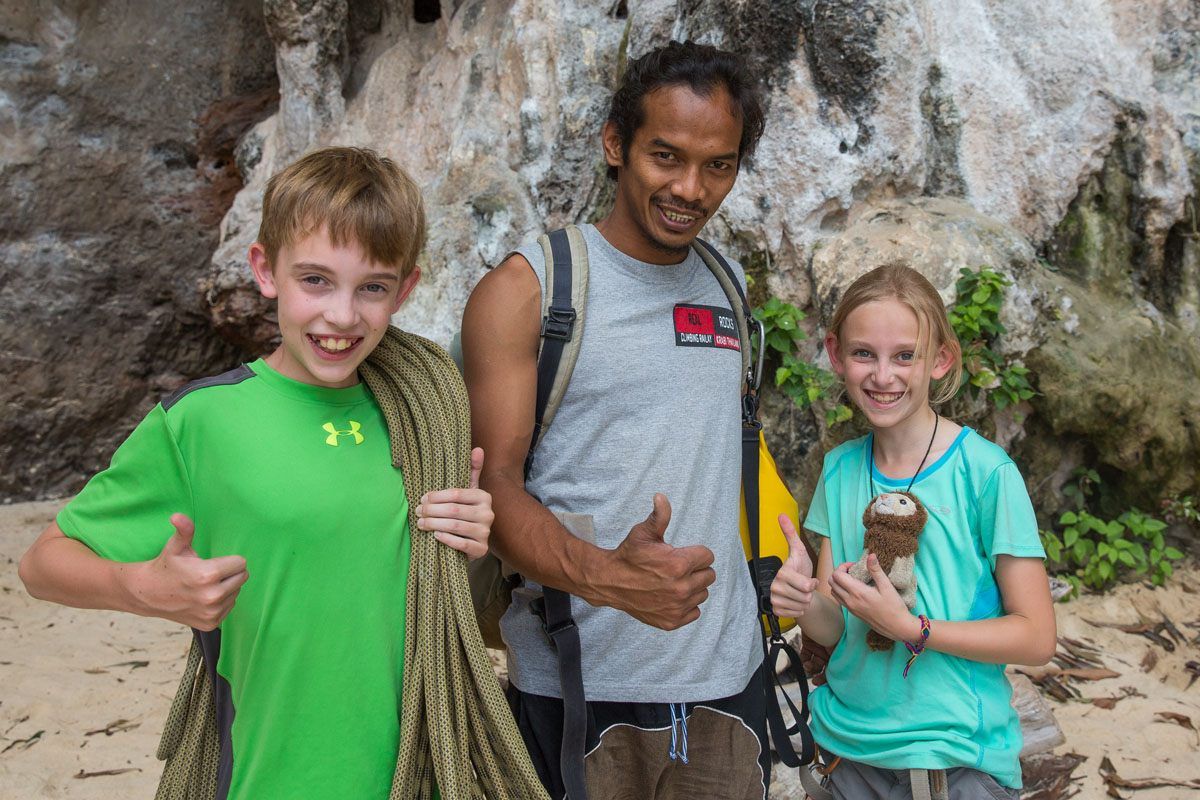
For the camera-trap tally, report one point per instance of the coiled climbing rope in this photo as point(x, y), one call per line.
point(455, 725)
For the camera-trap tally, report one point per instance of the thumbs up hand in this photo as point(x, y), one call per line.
point(180, 586)
point(654, 582)
point(794, 584)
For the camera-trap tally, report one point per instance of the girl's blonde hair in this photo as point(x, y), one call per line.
point(906, 285)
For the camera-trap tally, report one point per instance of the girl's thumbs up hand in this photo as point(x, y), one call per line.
point(794, 584)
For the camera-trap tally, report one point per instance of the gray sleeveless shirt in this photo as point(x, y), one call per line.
point(653, 406)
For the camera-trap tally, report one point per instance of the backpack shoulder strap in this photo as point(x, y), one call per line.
point(564, 306)
point(732, 287)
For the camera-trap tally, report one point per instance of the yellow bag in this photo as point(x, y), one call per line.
point(773, 499)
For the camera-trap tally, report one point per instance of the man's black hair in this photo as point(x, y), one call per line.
point(700, 67)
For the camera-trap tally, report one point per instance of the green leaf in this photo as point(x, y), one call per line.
point(1172, 553)
point(1127, 558)
point(1080, 550)
point(1069, 518)
point(1070, 536)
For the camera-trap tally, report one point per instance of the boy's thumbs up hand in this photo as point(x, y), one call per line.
point(180, 542)
point(653, 581)
point(180, 586)
point(794, 584)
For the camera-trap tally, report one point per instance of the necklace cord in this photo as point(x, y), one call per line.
point(871, 465)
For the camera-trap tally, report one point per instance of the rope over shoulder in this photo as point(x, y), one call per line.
point(455, 726)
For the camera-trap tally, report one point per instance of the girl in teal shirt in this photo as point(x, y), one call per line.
point(931, 709)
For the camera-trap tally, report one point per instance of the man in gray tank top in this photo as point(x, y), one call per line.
point(642, 459)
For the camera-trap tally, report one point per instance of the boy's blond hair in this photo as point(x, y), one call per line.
point(905, 285)
point(361, 197)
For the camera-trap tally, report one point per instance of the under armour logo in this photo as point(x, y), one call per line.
point(335, 434)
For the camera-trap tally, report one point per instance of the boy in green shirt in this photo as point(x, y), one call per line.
point(281, 469)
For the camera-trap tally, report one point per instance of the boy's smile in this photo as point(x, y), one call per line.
point(681, 164)
point(333, 345)
point(334, 306)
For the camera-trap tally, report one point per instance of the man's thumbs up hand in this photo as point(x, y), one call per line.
point(654, 582)
point(654, 527)
point(180, 586)
point(794, 584)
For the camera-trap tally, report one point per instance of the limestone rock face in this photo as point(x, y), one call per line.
point(117, 126)
point(953, 135)
point(1057, 141)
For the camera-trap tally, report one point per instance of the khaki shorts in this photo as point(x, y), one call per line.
point(850, 780)
point(657, 751)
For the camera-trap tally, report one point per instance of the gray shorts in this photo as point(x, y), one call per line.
point(850, 780)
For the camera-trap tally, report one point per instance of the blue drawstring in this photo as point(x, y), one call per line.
point(671, 706)
point(683, 724)
point(675, 752)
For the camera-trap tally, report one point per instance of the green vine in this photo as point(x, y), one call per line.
point(1090, 551)
point(975, 319)
point(1096, 552)
point(805, 383)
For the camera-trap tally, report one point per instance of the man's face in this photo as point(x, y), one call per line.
point(334, 307)
point(682, 162)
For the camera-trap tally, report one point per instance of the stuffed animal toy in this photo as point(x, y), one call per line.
point(894, 521)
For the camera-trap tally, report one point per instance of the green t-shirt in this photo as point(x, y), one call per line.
point(950, 711)
point(298, 480)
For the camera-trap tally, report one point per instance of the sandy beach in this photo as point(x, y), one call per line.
point(84, 693)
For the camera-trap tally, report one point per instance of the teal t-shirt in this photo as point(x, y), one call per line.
point(949, 712)
point(297, 479)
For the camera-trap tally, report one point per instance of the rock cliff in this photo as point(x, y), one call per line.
point(1056, 142)
point(117, 129)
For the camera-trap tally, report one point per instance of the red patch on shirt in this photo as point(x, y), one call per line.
point(705, 326)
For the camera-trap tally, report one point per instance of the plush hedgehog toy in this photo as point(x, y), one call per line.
point(894, 521)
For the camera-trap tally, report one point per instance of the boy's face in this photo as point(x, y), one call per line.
point(682, 162)
point(334, 307)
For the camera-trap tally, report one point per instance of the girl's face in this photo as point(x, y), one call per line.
point(876, 357)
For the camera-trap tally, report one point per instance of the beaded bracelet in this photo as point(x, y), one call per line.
point(919, 647)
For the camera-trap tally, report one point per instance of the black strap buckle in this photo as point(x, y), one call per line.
point(559, 323)
point(750, 413)
point(537, 607)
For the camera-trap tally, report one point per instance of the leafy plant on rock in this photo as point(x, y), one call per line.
point(1182, 508)
point(805, 383)
point(1079, 489)
point(975, 319)
point(1095, 552)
